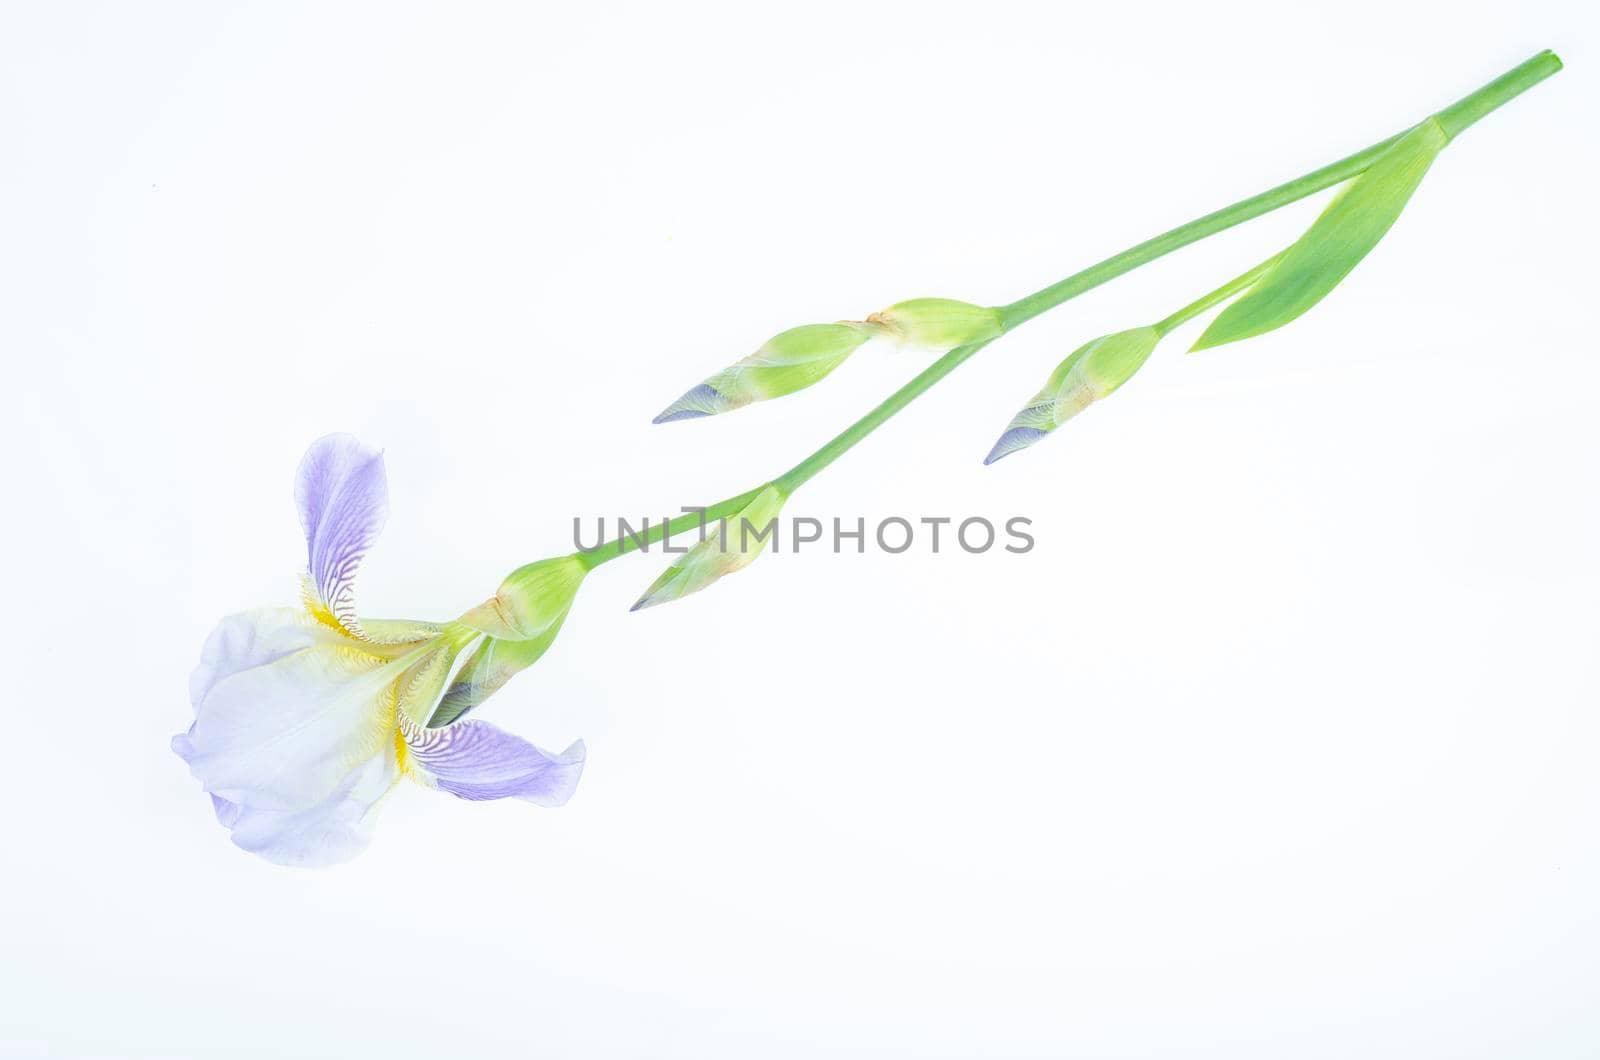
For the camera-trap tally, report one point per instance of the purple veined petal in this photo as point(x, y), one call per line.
point(334, 830)
point(343, 496)
point(474, 760)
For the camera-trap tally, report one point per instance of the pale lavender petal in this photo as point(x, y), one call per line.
point(474, 760)
point(343, 496)
point(245, 641)
point(335, 830)
point(284, 707)
point(228, 813)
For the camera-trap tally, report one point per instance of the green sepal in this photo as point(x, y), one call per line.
point(939, 323)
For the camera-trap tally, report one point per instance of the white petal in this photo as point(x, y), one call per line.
point(334, 830)
point(287, 708)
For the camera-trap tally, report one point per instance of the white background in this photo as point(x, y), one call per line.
point(1281, 743)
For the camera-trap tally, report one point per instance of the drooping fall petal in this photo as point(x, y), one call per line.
point(286, 707)
point(474, 760)
point(334, 830)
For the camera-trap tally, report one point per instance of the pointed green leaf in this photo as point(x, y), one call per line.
point(1334, 244)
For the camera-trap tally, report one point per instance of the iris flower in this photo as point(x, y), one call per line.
point(306, 718)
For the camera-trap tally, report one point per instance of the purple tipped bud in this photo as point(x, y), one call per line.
point(1093, 371)
point(702, 400)
point(1015, 438)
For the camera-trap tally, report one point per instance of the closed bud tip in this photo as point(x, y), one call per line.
point(789, 361)
point(1015, 438)
point(703, 400)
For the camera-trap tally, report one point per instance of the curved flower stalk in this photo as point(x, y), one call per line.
point(795, 359)
point(306, 718)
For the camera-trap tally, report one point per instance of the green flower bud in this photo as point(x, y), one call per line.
point(1093, 371)
point(733, 544)
point(530, 601)
point(790, 361)
point(939, 323)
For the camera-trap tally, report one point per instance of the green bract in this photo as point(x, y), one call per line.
point(733, 544)
point(518, 624)
point(1335, 243)
point(939, 323)
point(530, 601)
point(1106, 363)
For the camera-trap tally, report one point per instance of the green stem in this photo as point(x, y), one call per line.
point(1497, 93)
point(1025, 309)
point(1221, 294)
point(1455, 118)
point(1461, 114)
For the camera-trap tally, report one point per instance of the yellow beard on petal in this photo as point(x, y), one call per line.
point(402, 753)
point(376, 732)
point(409, 767)
point(316, 608)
